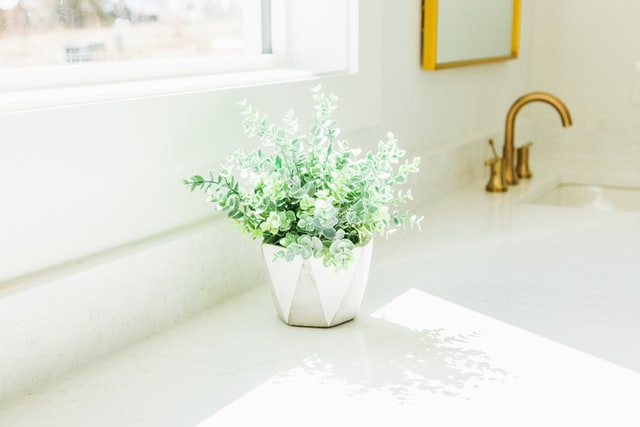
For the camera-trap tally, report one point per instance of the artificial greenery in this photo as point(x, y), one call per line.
point(311, 194)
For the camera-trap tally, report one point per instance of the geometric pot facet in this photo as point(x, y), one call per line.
point(306, 293)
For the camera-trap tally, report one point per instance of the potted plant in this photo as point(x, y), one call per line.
point(316, 204)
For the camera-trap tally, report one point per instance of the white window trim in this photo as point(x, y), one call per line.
point(30, 100)
point(93, 74)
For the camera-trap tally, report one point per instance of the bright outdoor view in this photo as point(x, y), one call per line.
point(55, 32)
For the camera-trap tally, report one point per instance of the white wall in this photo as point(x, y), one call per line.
point(429, 109)
point(585, 52)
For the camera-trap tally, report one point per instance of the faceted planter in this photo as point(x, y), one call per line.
point(306, 293)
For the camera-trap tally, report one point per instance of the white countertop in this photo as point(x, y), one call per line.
point(497, 313)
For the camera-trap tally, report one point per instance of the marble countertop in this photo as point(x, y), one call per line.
point(498, 312)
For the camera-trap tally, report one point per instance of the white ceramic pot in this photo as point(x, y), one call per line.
point(306, 293)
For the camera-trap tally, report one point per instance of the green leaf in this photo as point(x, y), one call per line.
point(329, 233)
point(235, 214)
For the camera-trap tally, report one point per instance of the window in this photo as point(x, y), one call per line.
point(65, 52)
point(57, 32)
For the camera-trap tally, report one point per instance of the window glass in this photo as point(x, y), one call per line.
point(55, 32)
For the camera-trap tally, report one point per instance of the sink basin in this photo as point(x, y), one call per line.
point(591, 196)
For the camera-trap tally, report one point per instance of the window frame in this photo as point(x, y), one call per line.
point(73, 84)
point(86, 73)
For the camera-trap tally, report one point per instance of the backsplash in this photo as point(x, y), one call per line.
point(449, 169)
point(594, 138)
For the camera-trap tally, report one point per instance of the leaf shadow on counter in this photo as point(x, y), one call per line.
point(379, 355)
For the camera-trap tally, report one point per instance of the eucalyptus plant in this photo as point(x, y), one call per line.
point(311, 194)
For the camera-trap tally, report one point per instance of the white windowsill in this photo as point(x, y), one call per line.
point(26, 100)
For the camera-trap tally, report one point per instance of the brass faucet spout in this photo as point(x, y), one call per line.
point(508, 149)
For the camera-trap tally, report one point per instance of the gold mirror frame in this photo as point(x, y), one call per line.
point(430, 39)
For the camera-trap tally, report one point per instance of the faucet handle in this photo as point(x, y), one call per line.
point(496, 178)
point(522, 163)
point(496, 182)
point(493, 148)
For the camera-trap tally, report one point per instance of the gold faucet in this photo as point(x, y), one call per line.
point(509, 173)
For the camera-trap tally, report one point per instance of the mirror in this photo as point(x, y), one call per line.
point(456, 33)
